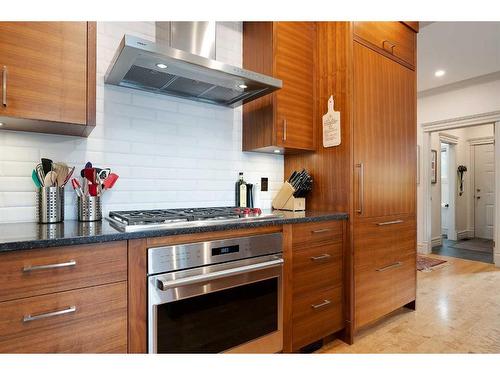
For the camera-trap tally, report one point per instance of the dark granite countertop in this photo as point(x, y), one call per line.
point(21, 236)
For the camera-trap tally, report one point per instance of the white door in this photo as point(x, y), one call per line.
point(484, 190)
point(445, 189)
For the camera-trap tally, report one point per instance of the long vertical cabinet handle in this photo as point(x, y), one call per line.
point(284, 129)
point(4, 86)
point(361, 187)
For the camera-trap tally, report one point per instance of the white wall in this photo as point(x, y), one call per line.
point(168, 152)
point(466, 100)
point(464, 210)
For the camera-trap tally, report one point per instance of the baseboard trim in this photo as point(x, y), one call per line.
point(496, 259)
point(464, 234)
point(424, 248)
point(436, 241)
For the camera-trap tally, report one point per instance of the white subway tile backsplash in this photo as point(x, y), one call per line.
point(169, 152)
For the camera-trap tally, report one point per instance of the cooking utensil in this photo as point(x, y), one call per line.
point(50, 179)
point(40, 173)
point(110, 181)
point(90, 174)
point(47, 165)
point(70, 173)
point(62, 171)
point(34, 177)
point(77, 187)
point(88, 165)
point(93, 190)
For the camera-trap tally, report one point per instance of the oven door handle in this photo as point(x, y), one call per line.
point(169, 284)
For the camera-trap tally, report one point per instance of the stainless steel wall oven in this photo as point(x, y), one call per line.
point(216, 296)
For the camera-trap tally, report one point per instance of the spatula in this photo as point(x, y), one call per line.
point(62, 171)
point(110, 181)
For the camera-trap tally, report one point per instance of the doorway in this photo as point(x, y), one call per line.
point(464, 218)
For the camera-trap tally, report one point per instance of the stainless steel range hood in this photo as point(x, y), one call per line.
point(160, 68)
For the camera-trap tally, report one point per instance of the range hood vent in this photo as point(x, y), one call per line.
point(162, 69)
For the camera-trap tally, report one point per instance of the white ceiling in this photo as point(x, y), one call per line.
point(463, 49)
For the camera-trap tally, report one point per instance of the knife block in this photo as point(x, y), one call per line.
point(285, 200)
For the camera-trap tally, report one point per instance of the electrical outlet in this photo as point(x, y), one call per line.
point(264, 183)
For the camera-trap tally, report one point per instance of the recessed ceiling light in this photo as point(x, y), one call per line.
point(1, 123)
point(439, 73)
point(161, 66)
point(242, 86)
point(277, 151)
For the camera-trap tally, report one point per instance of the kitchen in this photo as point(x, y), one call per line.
point(229, 191)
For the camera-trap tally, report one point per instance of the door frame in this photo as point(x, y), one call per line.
point(472, 201)
point(424, 204)
point(452, 142)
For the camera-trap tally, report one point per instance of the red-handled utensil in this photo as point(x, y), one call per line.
point(110, 181)
point(77, 187)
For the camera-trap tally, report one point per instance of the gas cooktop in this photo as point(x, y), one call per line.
point(138, 220)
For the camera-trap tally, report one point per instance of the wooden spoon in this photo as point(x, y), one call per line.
point(62, 171)
point(50, 179)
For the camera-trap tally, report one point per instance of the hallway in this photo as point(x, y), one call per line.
point(458, 311)
point(477, 249)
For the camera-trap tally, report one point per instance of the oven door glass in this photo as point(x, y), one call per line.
point(218, 321)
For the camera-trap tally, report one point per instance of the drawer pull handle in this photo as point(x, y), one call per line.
point(71, 263)
point(390, 222)
point(321, 230)
point(4, 86)
point(361, 188)
point(391, 45)
point(30, 318)
point(390, 266)
point(325, 302)
point(321, 257)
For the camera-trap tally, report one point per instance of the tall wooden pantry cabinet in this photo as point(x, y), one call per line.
point(369, 68)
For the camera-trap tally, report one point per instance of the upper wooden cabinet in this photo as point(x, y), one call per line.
point(48, 76)
point(394, 39)
point(283, 120)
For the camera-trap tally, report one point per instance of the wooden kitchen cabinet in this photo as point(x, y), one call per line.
point(69, 299)
point(314, 288)
point(369, 68)
point(283, 120)
point(384, 135)
point(88, 320)
point(48, 76)
point(396, 40)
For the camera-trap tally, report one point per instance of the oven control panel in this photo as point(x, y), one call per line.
point(198, 254)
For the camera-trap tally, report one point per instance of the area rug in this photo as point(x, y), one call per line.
point(426, 263)
point(475, 244)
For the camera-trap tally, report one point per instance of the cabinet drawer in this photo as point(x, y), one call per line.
point(317, 268)
point(36, 272)
point(392, 37)
point(381, 290)
point(316, 315)
point(89, 320)
point(381, 241)
point(311, 234)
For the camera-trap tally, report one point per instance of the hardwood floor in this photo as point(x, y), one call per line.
point(458, 311)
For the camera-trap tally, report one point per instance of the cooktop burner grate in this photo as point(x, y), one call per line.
point(137, 217)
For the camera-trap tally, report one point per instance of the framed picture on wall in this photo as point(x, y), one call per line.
point(433, 166)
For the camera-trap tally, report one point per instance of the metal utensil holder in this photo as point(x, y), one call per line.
point(50, 205)
point(89, 208)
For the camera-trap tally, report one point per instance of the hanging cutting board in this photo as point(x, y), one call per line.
point(331, 126)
